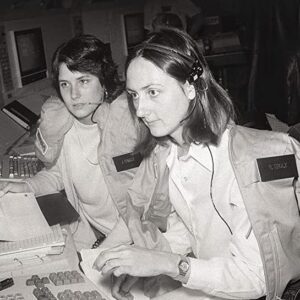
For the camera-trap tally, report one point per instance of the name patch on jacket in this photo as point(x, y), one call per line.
point(127, 161)
point(277, 167)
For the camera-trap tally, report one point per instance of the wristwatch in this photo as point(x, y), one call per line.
point(183, 268)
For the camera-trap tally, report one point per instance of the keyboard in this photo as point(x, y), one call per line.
point(16, 167)
point(58, 284)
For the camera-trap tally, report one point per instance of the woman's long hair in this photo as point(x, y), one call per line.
point(179, 56)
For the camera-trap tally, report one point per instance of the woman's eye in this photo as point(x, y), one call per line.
point(63, 85)
point(134, 96)
point(84, 81)
point(153, 93)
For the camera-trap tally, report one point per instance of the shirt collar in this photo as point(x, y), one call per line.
point(203, 154)
point(199, 153)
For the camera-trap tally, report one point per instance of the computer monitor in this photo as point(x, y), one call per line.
point(31, 55)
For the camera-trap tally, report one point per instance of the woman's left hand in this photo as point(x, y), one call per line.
point(136, 261)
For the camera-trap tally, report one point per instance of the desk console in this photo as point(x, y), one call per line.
point(60, 285)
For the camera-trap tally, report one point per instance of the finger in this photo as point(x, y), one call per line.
point(128, 283)
point(118, 271)
point(117, 281)
point(121, 295)
point(116, 287)
point(126, 295)
point(100, 261)
point(105, 256)
point(118, 295)
point(110, 266)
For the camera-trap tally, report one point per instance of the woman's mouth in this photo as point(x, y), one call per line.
point(79, 105)
point(150, 123)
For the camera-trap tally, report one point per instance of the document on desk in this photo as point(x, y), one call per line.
point(88, 257)
point(21, 217)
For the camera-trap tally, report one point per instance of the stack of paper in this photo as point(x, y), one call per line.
point(21, 217)
point(88, 257)
point(24, 231)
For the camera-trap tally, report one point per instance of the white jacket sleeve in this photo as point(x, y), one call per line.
point(238, 276)
point(233, 278)
point(47, 181)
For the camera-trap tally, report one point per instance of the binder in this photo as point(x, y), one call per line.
point(20, 114)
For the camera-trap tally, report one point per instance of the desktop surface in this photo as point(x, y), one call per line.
point(60, 277)
point(55, 277)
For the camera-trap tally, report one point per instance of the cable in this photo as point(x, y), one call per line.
point(210, 190)
point(92, 117)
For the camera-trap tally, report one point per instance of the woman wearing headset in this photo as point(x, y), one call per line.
point(234, 230)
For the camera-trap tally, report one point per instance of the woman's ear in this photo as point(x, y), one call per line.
point(189, 90)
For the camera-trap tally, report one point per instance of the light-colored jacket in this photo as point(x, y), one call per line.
point(272, 206)
point(119, 133)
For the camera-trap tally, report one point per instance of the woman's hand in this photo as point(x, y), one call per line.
point(136, 261)
point(121, 287)
point(14, 187)
point(54, 123)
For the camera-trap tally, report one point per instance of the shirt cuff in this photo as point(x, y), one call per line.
point(193, 280)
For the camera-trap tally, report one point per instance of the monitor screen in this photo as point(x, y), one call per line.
point(31, 55)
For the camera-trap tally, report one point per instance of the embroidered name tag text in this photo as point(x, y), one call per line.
point(127, 161)
point(277, 167)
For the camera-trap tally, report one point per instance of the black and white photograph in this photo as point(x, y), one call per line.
point(149, 149)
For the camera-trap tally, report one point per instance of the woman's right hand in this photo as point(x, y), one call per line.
point(54, 123)
point(136, 261)
point(13, 187)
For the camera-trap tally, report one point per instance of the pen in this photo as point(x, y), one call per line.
point(6, 283)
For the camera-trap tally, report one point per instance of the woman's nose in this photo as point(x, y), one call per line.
point(141, 108)
point(75, 92)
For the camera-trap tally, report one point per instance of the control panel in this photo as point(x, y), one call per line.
point(60, 285)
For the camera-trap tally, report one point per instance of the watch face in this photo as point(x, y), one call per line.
point(184, 266)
